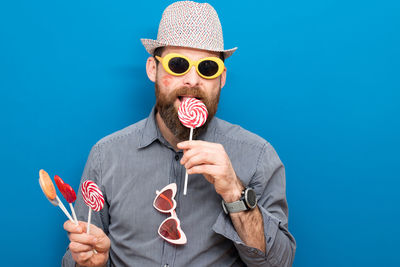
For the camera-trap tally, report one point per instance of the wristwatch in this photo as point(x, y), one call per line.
point(247, 201)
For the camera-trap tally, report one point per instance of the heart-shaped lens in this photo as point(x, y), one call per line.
point(164, 201)
point(65, 189)
point(169, 229)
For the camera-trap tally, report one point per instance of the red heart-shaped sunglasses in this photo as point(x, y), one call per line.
point(170, 228)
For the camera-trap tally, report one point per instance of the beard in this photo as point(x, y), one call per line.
point(169, 114)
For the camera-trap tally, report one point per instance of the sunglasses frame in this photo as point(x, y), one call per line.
point(165, 60)
point(173, 188)
point(182, 240)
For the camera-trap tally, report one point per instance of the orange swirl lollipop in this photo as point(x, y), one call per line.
point(50, 192)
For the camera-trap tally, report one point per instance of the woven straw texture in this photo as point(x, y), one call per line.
point(189, 24)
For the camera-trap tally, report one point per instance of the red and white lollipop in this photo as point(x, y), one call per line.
point(93, 197)
point(193, 114)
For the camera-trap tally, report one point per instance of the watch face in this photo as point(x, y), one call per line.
point(251, 198)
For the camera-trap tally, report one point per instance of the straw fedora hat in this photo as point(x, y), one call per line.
point(189, 24)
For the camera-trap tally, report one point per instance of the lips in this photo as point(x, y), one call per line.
point(183, 97)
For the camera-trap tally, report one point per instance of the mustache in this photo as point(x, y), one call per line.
point(192, 91)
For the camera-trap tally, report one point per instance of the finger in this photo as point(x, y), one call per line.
point(194, 143)
point(205, 169)
point(72, 227)
point(204, 157)
point(96, 231)
point(200, 146)
point(82, 257)
point(192, 152)
point(187, 154)
point(83, 239)
point(78, 247)
point(102, 242)
point(185, 145)
point(83, 226)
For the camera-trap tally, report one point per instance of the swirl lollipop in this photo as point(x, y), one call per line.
point(93, 198)
point(193, 114)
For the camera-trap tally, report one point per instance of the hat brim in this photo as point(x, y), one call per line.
point(151, 45)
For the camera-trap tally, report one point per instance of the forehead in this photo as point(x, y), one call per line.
point(191, 53)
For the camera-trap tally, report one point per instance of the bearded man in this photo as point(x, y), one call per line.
point(235, 212)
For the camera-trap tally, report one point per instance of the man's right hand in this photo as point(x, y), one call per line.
point(82, 245)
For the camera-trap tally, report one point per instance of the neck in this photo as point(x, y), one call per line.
point(166, 133)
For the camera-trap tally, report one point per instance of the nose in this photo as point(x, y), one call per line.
point(191, 78)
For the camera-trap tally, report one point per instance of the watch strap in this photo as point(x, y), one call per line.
point(233, 207)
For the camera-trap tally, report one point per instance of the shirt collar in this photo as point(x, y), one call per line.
point(151, 132)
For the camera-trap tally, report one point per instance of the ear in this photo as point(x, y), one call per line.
point(151, 68)
point(223, 78)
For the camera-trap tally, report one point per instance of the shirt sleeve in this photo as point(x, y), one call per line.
point(92, 172)
point(269, 183)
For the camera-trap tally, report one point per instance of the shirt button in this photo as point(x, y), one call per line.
point(177, 157)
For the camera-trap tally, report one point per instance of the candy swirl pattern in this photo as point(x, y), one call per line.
point(192, 113)
point(92, 195)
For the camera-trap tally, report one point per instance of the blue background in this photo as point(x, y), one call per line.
point(318, 79)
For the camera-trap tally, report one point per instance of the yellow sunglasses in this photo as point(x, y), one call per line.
point(178, 65)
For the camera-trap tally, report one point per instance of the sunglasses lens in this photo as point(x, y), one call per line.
point(208, 68)
point(178, 65)
point(169, 229)
point(164, 200)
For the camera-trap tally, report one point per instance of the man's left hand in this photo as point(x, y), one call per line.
point(211, 160)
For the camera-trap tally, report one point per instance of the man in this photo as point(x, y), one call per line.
point(226, 164)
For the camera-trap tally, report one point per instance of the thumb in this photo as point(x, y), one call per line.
point(101, 241)
point(96, 231)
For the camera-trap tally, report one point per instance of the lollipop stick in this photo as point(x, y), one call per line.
point(88, 222)
point(73, 212)
point(88, 226)
point(186, 174)
point(191, 134)
point(62, 207)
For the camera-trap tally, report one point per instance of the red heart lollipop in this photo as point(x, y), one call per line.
point(65, 189)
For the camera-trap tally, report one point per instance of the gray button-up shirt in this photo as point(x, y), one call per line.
point(131, 164)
